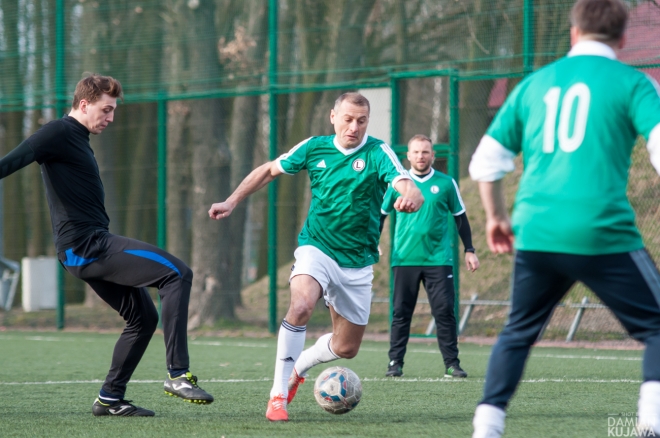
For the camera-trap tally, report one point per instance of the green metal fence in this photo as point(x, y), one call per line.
point(291, 57)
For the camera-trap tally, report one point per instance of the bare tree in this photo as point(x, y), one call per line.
point(39, 239)
point(179, 176)
point(244, 124)
point(210, 181)
point(12, 121)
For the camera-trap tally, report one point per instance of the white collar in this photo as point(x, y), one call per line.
point(424, 179)
point(345, 151)
point(593, 48)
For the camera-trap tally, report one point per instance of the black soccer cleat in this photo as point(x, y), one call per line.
point(455, 371)
point(120, 408)
point(185, 387)
point(394, 369)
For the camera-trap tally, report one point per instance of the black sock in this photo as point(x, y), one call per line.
point(178, 372)
point(107, 398)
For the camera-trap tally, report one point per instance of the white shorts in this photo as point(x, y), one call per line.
point(347, 290)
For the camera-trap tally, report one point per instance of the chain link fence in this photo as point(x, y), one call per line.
point(215, 88)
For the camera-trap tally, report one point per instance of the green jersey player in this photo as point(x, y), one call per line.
point(349, 173)
point(575, 123)
point(422, 253)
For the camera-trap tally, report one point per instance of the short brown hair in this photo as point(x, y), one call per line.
point(354, 98)
point(92, 87)
point(420, 137)
point(603, 20)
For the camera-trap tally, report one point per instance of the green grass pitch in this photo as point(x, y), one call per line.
point(48, 382)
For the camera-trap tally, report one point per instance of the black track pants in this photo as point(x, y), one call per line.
point(628, 283)
point(119, 270)
point(439, 284)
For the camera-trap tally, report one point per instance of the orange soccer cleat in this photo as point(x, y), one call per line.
point(294, 382)
point(277, 409)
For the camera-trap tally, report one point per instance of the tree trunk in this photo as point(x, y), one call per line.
point(142, 181)
point(244, 125)
point(179, 177)
point(144, 68)
point(210, 183)
point(36, 207)
point(14, 199)
point(179, 180)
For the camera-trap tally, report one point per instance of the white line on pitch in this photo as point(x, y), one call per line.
point(366, 379)
point(533, 355)
point(369, 349)
point(45, 338)
point(569, 356)
point(72, 339)
point(453, 380)
point(230, 344)
point(83, 382)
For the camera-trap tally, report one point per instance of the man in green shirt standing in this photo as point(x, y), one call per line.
point(422, 252)
point(349, 173)
point(575, 122)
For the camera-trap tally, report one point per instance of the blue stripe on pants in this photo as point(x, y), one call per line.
point(153, 256)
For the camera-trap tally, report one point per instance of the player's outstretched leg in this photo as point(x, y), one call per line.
point(122, 262)
point(320, 352)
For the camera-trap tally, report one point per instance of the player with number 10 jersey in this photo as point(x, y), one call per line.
point(575, 122)
point(576, 131)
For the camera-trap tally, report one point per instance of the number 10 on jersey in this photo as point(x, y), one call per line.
point(568, 141)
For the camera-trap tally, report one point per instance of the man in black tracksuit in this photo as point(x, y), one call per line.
point(119, 269)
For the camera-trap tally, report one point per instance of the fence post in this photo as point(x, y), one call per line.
point(528, 36)
point(162, 171)
point(467, 314)
point(60, 107)
point(453, 170)
point(162, 184)
point(394, 126)
point(272, 153)
point(576, 321)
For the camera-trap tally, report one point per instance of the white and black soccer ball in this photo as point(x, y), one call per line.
point(338, 390)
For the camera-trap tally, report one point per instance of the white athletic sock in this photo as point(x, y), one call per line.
point(290, 343)
point(648, 407)
point(488, 422)
point(316, 354)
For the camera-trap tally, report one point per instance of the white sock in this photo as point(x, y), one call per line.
point(290, 343)
point(648, 406)
point(316, 354)
point(488, 422)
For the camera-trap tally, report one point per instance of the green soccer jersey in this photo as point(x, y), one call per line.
point(422, 238)
point(575, 122)
point(347, 191)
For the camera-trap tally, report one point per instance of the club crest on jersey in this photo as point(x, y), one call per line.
point(358, 165)
point(435, 189)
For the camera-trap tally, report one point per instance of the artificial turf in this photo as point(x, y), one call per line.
point(48, 382)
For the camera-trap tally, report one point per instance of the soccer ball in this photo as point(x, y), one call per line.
point(338, 390)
